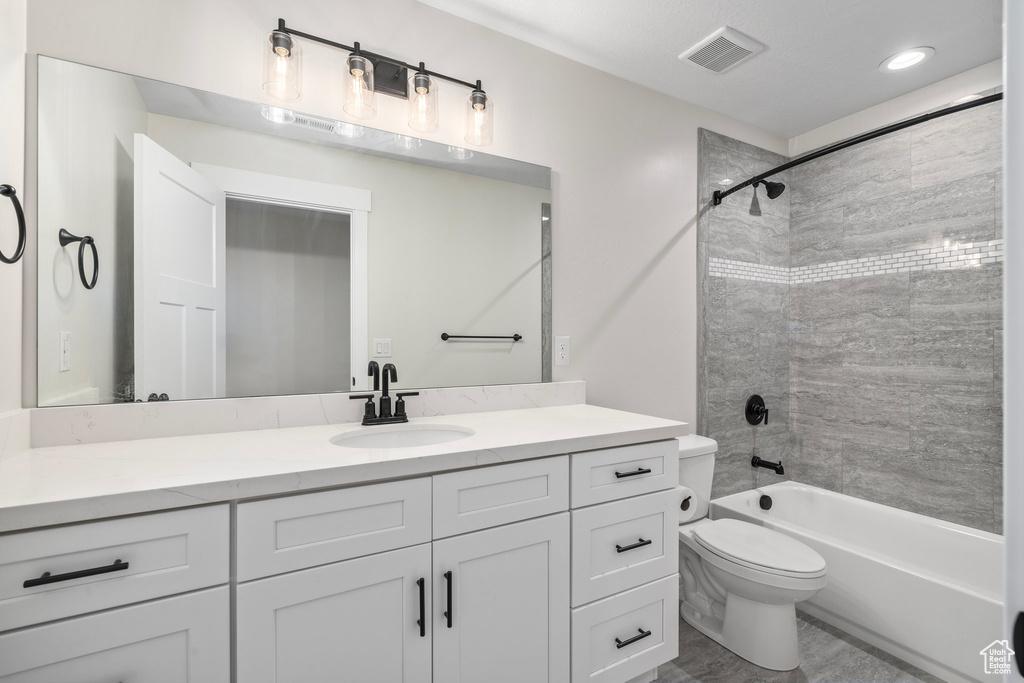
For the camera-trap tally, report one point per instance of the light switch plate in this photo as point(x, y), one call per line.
point(64, 352)
point(382, 348)
point(561, 350)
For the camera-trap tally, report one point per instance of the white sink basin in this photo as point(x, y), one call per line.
point(401, 436)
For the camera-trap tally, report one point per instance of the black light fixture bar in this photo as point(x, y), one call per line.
point(719, 195)
point(281, 26)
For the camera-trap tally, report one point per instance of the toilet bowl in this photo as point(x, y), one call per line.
point(741, 581)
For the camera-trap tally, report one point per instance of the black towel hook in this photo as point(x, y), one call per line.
point(9, 192)
point(67, 238)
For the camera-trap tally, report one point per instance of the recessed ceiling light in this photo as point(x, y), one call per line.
point(906, 59)
point(967, 98)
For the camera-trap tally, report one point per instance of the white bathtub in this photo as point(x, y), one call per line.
point(927, 591)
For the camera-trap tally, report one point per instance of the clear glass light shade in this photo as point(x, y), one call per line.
point(479, 119)
point(277, 114)
point(422, 103)
point(282, 66)
point(360, 98)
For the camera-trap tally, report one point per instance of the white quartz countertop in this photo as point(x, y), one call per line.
point(63, 484)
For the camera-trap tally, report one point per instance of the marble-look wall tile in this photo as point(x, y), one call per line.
point(734, 359)
point(953, 362)
point(997, 363)
point(816, 457)
point(960, 145)
point(734, 234)
point(733, 472)
point(961, 299)
point(715, 308)
point(961, 211)
point(774, 241)
point(753, 306)
point(722, 164)
point(962, 427)
point(880, 302)
point(816, 238)
point(767, 157)
point(957, 492)
point(854, 175)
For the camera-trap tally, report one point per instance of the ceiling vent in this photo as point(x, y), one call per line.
point(722, 50)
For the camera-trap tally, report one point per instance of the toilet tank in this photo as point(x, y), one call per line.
point(697, 469)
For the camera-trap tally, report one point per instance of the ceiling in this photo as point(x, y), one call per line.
point(819, 65)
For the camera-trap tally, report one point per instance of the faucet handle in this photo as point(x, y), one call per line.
point(400, 403)
point(369, 410)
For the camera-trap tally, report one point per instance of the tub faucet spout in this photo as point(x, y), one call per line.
point(756, 461)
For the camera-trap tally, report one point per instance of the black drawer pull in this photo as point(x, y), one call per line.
point(623, 475)
point(422, 621)
point(57, 578)
point(448, 613)
point(639, 544)
point(619, 644)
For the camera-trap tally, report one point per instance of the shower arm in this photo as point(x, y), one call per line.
point(719, 195)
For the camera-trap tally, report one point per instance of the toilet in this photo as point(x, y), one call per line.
point(740, 581)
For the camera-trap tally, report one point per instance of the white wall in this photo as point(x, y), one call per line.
point(448, 252)
point(971, 82)
point(85, 186)
point(12, 150)
point(624, 157)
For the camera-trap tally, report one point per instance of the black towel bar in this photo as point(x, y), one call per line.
point(67, 238)
point(9, 192)
point(445, 336)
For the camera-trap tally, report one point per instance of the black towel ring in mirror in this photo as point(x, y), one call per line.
point(8, 191)
point(67, 238)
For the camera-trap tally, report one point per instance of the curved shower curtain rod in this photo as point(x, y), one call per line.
point(719, 195)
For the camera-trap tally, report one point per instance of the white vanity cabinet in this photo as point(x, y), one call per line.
point(358, 620)
point(54, 582)
point(501, 601)
point(625, 581)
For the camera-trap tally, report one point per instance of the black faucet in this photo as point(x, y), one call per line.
point(389, 373)
point(756, 461)
point(373, 370)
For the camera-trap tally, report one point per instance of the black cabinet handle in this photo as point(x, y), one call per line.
point(448, 612)
point(619, 644)
point(422, 621)
point(623, 475)
point(57, 578)
point(639, 544)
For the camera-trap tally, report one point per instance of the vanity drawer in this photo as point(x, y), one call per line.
point(106, 564)
point(284, 534)
point(620, 545)
point(600, 632)
point(490, 496)
point(184, 638)
point(613, 473)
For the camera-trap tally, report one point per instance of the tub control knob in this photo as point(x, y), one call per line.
point(765, 502)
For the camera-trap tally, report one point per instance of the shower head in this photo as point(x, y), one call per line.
point(773, 189)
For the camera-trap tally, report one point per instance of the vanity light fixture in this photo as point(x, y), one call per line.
point(349, 130)
point(906, 59)
point(422, 101)
point(277, 114)
point(368, 73)
point(282, 66)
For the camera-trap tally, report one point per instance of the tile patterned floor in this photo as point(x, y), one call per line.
point(827, 656)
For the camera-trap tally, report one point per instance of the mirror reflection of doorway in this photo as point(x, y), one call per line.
point(288, 300)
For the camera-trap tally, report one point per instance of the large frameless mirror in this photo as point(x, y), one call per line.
point(247, 250)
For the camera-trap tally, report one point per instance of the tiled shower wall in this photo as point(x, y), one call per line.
point(743, 341)
point(892, 315)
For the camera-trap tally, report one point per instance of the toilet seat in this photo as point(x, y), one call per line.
point(760, 549)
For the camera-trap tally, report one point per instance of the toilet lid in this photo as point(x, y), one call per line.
point(755, 545)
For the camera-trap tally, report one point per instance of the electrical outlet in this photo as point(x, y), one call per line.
point(64, 357)
point(382, 348)
point(561, 350)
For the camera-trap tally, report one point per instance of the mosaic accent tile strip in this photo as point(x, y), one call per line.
point(950, 255)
